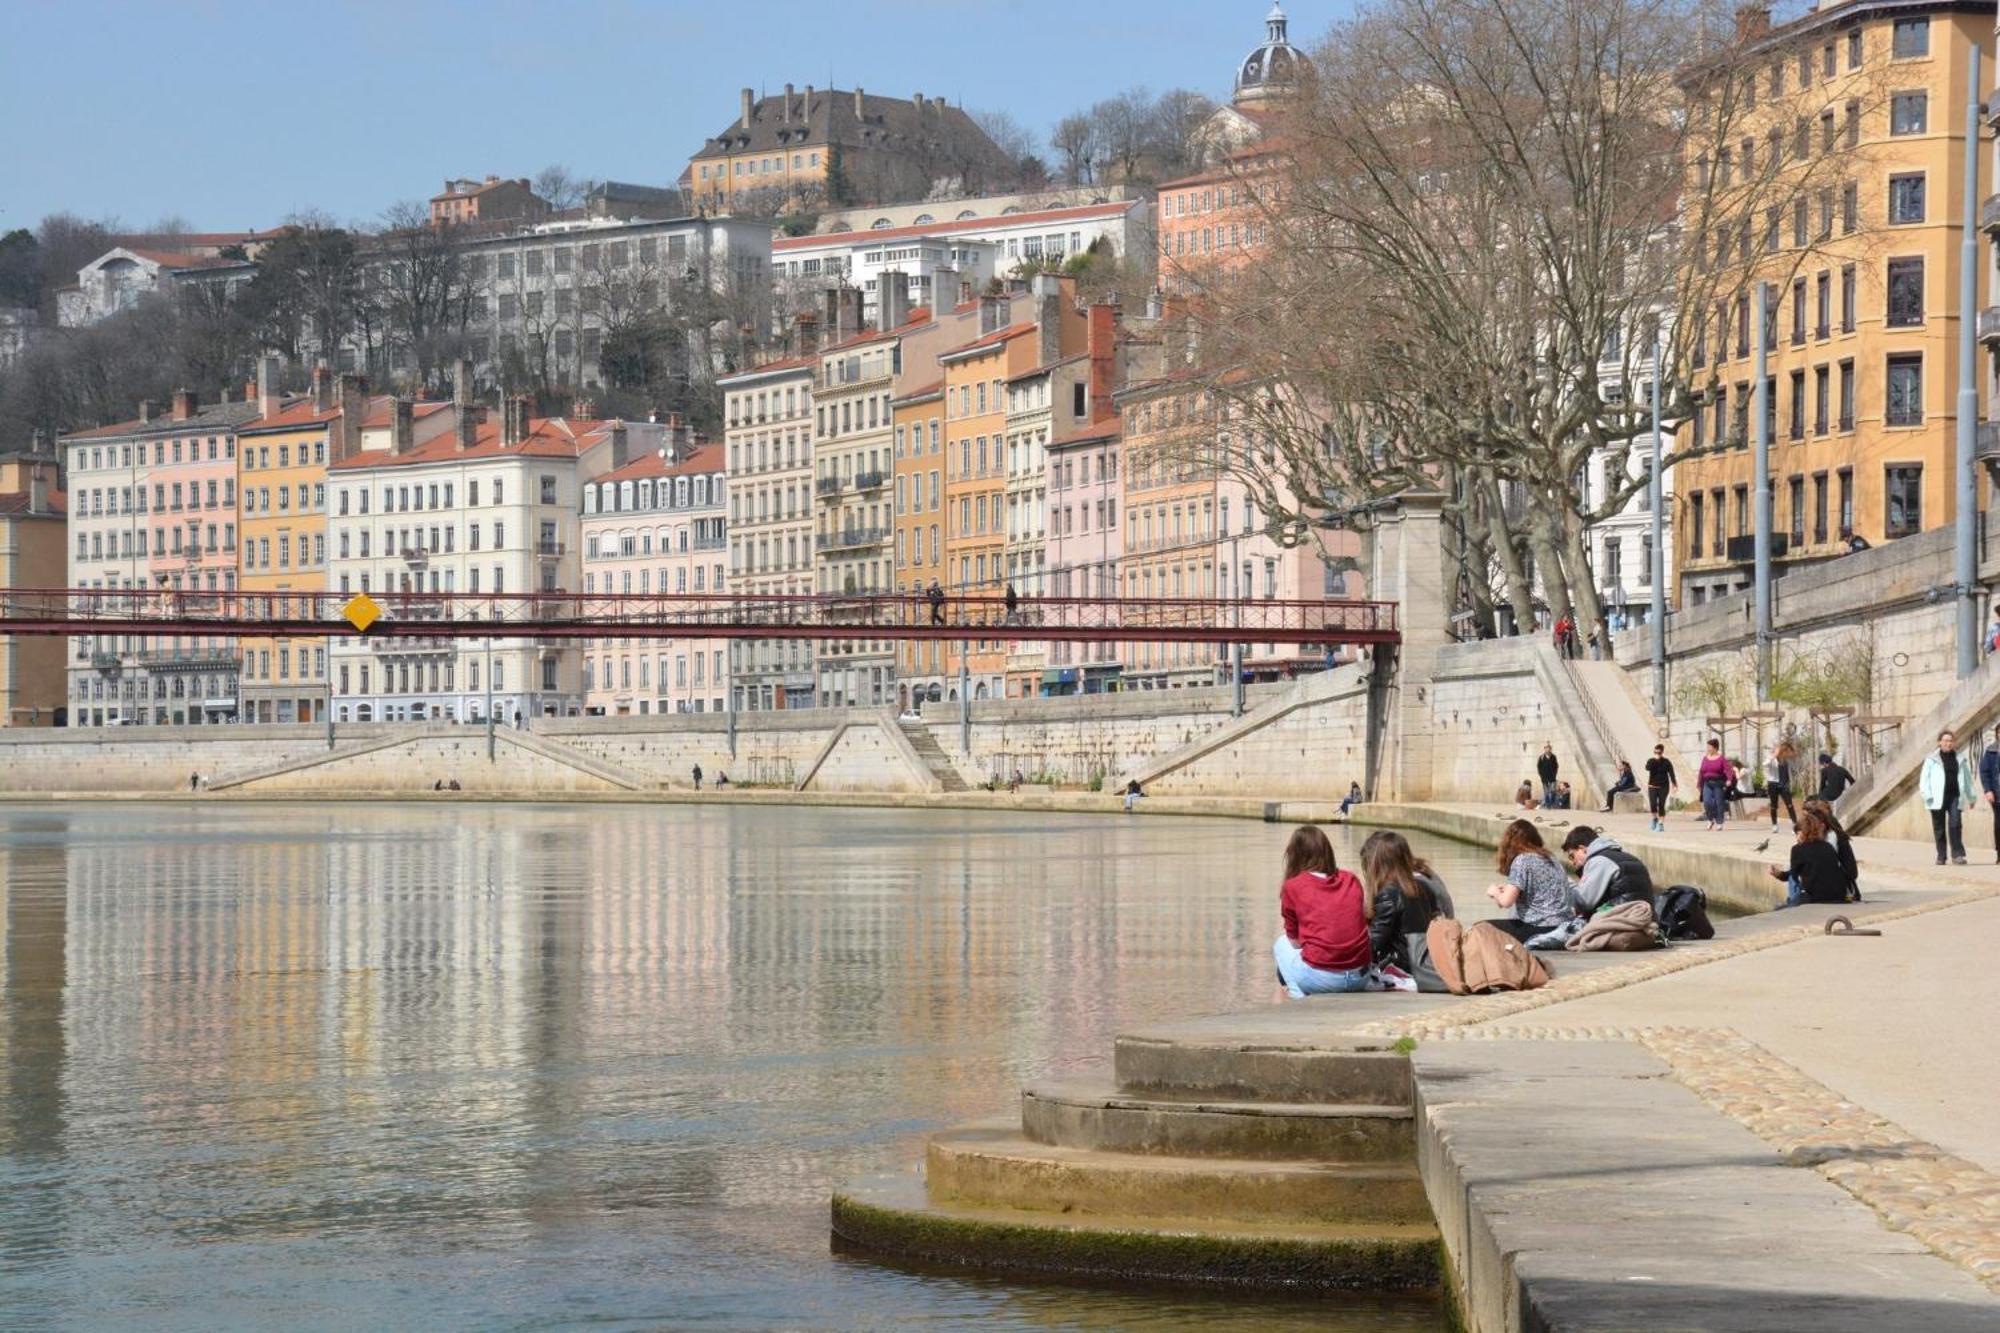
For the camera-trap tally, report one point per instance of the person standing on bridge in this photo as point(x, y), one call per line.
point(935, 596)
point(1546, 768)
point(1013, 600)
point(1946, 786)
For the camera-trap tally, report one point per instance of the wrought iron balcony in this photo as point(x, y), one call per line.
point(1988, 446)
point(1989, 214)
point(851, 538)
point(550, 547)
point(179, 659)
point(416, 555)
point(827, 486)
point(870, 481)
point(1989, 325)
point(109, 663)
point(1743, 550)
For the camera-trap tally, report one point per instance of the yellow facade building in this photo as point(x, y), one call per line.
point(1837, 188)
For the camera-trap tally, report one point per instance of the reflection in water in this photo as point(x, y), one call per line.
point(531, 1066)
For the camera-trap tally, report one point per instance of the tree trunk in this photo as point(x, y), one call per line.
point(1544, 540)
point(1520, 595)
point(1576, 560)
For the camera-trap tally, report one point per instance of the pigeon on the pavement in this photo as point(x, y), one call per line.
point(1762, 845)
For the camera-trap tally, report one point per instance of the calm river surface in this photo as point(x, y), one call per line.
point(529, 1067)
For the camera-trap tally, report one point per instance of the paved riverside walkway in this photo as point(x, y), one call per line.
point(1869, 1059)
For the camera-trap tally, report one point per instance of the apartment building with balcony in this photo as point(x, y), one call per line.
point(1840, 192)
point(919, 422)
point(489, 508)
point(657, 527)
point(282, 458)
point(33, 554)
point(1170, 494)
point(853, 472)
point(768, 443)
point(153, 509)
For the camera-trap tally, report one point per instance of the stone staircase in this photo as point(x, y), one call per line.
point(1202, 1156)
point(933, 756)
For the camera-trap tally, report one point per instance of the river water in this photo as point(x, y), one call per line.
point(529, 1067)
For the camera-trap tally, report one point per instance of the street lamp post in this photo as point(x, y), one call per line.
point(1966, 551)
point(490, 741)
point(1761, 405)
point(1659, 570)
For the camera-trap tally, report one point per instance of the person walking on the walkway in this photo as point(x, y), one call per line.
point(1713, 778)
point(1546, 768)
point(697, 777)
point(1660, 779)
point(1013, 601)
point(1626, 782)
point(1989, 786)
point(1833, 779)
point(1778, 781)
point(1946, 786)
point(935, 596)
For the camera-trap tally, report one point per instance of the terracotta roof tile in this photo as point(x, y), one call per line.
point(548, 437)
point(707, 458)
point(1078, 213)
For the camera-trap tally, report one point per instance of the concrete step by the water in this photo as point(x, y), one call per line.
point(893, 1217)
point(1262, 1071)
point(928, 750)
point(994, 1165)
point(1098, 1115)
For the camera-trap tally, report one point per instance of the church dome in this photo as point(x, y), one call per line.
point(1273, 68)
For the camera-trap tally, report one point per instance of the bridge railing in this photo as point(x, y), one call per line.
point(663, 615)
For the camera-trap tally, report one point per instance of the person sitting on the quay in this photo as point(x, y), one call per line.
point(1713, 778)
point(1407, 896)
point(1133, 795)
point(1815, 874)
point(1833, 779)
point(453, 786)
point(1626, 782)
point(1607, 874)
point(721, 780)
point(1353, 798)
point(1323, 948)
point(1536, 891)
point(1565, 798)
point(1524, 796)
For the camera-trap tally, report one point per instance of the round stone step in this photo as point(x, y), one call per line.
point(1257, 1070)
point(994, 1165)
point(1099, 1116)
point(892, 1217)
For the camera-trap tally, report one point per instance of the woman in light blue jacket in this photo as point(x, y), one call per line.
point(1948, 792)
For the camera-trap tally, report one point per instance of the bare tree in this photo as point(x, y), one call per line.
point(561, 188)
point(426, 298)
point(1008, 134)
point(1074, 142)
point(1123, 127)
point(1173, 125)
point(1479, 220)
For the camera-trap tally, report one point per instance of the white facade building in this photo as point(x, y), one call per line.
point(490, 508)
point(768, 438)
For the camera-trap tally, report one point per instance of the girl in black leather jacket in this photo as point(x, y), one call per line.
point(1407, 896)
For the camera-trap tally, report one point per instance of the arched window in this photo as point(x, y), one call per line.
point(879, 224)
point(923, 219)
point(967, 215)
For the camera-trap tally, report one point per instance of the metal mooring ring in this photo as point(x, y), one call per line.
point(1840, 925)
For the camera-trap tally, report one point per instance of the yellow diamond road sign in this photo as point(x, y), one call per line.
point(361, 611)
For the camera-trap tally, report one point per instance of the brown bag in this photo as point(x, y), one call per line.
point(1477, 959)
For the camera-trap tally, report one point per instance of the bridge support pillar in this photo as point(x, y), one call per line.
point(1406, 566)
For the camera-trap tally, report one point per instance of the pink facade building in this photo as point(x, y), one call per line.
point(1083, 545)
point(657, 527)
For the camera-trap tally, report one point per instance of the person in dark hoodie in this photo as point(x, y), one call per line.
point(1607, 874)
point(1323, 948)
point(1407, 896)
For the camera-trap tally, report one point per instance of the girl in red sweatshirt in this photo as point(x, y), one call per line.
point(1324, 947)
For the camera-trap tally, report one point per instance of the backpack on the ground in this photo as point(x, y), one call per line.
point(1682, 913)
point(1476, 959)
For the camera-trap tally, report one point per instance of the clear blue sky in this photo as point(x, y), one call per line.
point(234, 114)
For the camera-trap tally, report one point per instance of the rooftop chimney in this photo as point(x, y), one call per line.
point(322, 385)
point(402, 426)
point(992, 313)
point(514, 421)
point(346, 438)
point(268, 397)
point(1048, 294)
point(806, 107)
point(1752, 21)
point(38, 490)
point(892, 296)
point(805, 334)
point(146, 410)
point(749, 102)
point(1101, 340)
point(621, 445)
point(857, 101)
point(917, 100)
point(787, 117)
point(184, 404)
point(582, 409)
point(461, 383)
